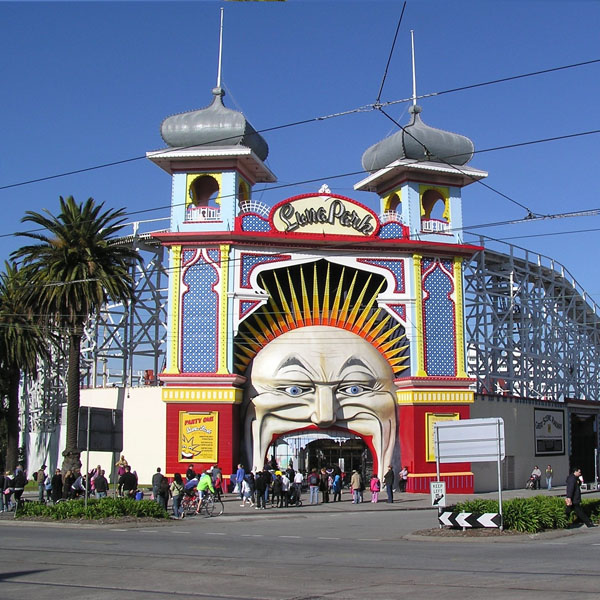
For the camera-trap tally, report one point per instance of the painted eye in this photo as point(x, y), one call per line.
point(294, 390)
point(353, 390)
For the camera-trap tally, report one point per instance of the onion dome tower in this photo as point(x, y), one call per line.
point(215, 157)
point(418, 173)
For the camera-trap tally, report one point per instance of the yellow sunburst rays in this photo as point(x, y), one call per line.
point(281, 315)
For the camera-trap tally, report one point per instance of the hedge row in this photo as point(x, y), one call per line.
point(531, 515)
point(96, 509)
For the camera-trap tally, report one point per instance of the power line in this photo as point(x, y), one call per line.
point(364, 108)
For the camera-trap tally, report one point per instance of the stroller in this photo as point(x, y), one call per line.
point(532, 483)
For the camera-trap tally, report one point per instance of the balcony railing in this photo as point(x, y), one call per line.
point(434, 226)
point(203, 214)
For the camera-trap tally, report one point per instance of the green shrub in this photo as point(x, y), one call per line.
point(96, 509)
point(530, 515)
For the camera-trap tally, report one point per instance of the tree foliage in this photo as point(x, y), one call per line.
point(75, 266)
point(22, 341)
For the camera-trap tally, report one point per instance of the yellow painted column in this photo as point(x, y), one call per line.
point(459, 318)
point(174, 331)
point(419, 315)
point(223, 312)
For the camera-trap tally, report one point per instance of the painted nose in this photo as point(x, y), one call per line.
point(324, 414)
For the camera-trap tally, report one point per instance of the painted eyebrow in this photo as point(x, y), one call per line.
point(355, 362)
point(292, 361)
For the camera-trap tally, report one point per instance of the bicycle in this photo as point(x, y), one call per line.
point(189, 504)
point(211, 506)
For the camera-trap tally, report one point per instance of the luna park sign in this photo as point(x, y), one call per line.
point(324, 215)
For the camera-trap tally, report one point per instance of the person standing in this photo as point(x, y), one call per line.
point(127, 483)
point(7, 490)
point(403, 478)
point(573, 497)
point(313, 487)
point(164, 492)
point(324, 485)
point(260, 483)
point(41, 481)
point(57, 486)
point(388, 481)
point(121, 464)
point(101, 485)
point(240, 476)
point(285, 489)
point(375, 486)
point(298, 479)
point(177, 493)
point(549, 474)
point(18, 484)
point(156, 479)
point(356, 484)
point(336, 488)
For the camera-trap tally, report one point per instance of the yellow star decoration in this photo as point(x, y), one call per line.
point(345, 308)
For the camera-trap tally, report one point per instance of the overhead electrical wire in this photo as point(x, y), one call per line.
point(364, 108)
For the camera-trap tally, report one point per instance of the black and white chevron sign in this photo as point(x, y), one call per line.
point(454, 519)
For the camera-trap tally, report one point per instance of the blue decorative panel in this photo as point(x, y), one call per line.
point(391, 231)
point(395, 266)
point(399, 310)
point(199, 312)
point(438, 316)
point(249, 261)
point(255, 223)
point(246, 306)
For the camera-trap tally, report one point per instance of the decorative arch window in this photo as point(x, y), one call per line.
point(203, 199)
point(435, 210)
point(243, 192)
point(392, 202)
point(203, 189)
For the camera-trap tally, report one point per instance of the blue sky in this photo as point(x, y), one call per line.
point(88, 83)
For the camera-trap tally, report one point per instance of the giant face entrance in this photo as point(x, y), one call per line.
point(335, 450)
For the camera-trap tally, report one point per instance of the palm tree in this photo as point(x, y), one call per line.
point(22, 341)
point(75, 268)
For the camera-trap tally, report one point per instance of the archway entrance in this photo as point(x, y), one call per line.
point(332, 449)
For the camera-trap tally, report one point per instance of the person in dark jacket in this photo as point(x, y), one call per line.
point(388, 481)
point(128, 483)
point(18, 483)
point(260, 483)
point(101, 485)
point(57, 486)
point(573, 497)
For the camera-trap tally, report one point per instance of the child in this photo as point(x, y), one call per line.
point(246, 493)
point(375, 487)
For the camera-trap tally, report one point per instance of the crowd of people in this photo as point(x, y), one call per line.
point(68, 485)
point(270, 486)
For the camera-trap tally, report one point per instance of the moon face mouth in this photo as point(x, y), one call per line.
point(298, 440)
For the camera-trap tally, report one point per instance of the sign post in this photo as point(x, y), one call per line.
point(471, 440)
point(438, 494)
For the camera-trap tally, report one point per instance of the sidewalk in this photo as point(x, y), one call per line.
point(402, 502)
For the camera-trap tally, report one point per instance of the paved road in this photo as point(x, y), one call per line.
point(298, 554)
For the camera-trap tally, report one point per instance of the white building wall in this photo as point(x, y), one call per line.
point(144, 433)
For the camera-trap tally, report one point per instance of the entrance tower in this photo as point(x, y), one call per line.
point(418, 174)
point(214, 157)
